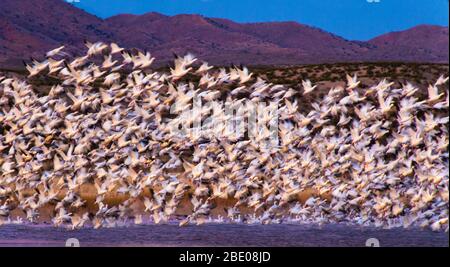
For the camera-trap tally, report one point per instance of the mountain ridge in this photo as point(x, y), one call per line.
point(29, 28)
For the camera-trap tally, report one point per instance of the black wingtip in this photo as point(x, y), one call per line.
point(67, 65)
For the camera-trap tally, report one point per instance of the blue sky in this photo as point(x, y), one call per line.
point(351, 19)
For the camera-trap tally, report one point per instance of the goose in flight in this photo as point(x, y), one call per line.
point(409, 90)
point(55, 66)
point(387, 104)
point(55, 52)
point(95, 48)
point(108, 62)
point(307, 87)
point(244, 75)
point(441, 80)
point(143, 61)
point(36, 67)
point(115, 49)
point(181, 66)
point(433, 93)
point(352, 82)
point(203, 68)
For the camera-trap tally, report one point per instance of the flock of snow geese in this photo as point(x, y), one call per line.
point(95, 150)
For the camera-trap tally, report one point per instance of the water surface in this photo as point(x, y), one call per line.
point(221, 235)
